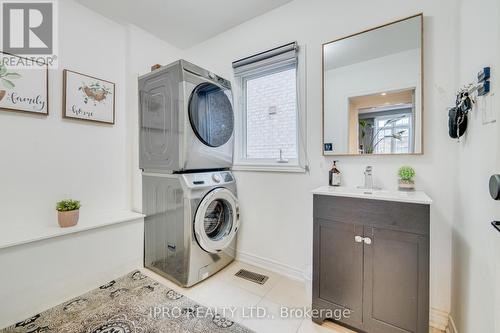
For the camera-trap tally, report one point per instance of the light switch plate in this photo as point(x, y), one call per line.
point(486, 104)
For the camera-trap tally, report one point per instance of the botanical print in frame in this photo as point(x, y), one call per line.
point(23, 84)
point(88, 98)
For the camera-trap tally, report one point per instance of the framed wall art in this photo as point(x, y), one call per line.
point(88, 98)
point(24, 84)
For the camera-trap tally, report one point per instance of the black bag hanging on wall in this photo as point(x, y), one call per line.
point(457, 116)
point(457, 122)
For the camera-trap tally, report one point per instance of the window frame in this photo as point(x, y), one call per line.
point(243, 163)
point(394, 128)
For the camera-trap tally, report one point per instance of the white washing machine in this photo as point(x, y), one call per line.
point(191, 224)
point(186, 119)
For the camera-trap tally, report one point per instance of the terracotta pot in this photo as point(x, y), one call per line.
point(2, 94)
point(406, 185)
point(68, 219)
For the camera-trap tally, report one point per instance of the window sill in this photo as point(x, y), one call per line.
point(269, 168)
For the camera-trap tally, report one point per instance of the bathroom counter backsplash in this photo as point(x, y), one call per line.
point(417, 197)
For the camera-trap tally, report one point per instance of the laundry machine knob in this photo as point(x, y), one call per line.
point(216, 178)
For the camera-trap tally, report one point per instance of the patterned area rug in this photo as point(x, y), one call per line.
point(131, 304)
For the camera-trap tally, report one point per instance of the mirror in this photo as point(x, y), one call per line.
point(372, 91)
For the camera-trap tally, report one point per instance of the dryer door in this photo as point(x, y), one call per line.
point(216, 220)
point(211, 114)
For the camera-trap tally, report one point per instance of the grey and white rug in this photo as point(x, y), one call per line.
point(131, 304)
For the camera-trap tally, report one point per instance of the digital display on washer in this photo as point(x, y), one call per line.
point(227, 177)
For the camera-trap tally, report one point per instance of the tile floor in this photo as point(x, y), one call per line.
point(225, 291)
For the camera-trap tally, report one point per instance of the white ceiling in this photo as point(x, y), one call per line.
point(183, 23)
point(391, 39)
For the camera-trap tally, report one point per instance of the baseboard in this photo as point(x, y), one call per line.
point(438, 319)
point(451, 326)
point(270, 265)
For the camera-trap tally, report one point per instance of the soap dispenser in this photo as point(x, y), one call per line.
point(334, 178)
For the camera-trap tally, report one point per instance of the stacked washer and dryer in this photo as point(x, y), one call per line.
point(186, 152)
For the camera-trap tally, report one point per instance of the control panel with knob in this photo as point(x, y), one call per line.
point(216, 178)
point(204, 179)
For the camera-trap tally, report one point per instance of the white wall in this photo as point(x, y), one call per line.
point(276, 208)
point(390, 73)
point(475, 243)
point(45, 159)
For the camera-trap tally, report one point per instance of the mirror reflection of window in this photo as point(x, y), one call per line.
point(384, 123)
point(372, 91)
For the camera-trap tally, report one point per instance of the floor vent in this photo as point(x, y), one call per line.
point(252, 276)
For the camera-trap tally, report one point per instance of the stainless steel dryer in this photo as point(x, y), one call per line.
point(191, 224)
point(186, 119)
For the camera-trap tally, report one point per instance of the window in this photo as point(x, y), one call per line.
point(268, 112)
point(393, 134)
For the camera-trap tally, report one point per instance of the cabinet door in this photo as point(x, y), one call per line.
point(396, 278)
point(338, 268)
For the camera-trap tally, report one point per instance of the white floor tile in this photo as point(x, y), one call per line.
point(224, 297)
point(273, 322)
point(288, 292)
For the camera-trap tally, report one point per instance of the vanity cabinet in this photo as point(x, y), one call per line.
point(371, 258)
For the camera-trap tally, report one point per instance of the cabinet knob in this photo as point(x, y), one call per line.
point(367, 240)
point(358, 239)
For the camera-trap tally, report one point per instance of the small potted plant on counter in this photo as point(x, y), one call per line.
point(406, 175)
point(68, 212)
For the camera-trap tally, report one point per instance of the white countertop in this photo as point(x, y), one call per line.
point(22, 231)
point(417, 197)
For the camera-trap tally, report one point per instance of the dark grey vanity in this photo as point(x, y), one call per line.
point(371, 258)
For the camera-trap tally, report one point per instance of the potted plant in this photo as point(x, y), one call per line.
point(406, 175)
point(68, 212)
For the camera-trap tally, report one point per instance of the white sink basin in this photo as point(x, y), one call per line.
point(418, 197)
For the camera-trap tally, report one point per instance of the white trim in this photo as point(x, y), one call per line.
point(438, 319)
point(268, 168)
point(451, 326)
point(270, 265)
point(25, 231)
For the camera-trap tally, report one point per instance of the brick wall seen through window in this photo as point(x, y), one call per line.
point(271, 112)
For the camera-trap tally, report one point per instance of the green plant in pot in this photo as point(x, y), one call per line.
point(406, 175)
point(68, 212)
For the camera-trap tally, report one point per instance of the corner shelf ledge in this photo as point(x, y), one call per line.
point(23, 231)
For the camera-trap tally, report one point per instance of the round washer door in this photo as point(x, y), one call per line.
point(216, 220)
point(211, 114)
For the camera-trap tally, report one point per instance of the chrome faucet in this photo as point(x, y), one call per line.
point(368, 178)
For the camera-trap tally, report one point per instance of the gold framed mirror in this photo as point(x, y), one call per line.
point(372, 91)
